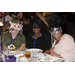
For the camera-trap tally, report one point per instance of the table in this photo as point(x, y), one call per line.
point(42, 57)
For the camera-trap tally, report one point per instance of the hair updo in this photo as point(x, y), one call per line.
point(55, 21)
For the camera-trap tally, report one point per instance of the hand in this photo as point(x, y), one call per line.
point(47, 52)
point(51, 49)
point(57, 55)
point(53, 54)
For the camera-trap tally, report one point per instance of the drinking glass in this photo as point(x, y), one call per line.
point(24, 51)
point(35, 56)
point(28, 54)
point(7, 53)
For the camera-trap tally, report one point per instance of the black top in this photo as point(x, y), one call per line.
point(43, 42)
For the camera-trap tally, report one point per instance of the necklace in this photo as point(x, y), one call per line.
point(34, 40)
point(58, 41)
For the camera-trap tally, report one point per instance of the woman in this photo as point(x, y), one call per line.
point(63, 46)
point(38, 39)
point(14, 39)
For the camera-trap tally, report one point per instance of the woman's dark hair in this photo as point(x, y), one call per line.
point(55, 20)
point(42, 25)
point(44, 28)
point(38, 22)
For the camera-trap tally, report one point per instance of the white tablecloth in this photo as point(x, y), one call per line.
point(41, 56)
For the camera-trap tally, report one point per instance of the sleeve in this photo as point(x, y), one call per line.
point(48, 41)
point(69, 43)
point(23, 39)
point(27, 41)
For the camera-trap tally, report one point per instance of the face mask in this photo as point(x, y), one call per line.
point(35, 26)
point(55, 30)
point(15, 26)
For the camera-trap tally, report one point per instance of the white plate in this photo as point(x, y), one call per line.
point(35, 49)
point(18, 55)
point(51, 59)
point(12, 52)
point(22, 59)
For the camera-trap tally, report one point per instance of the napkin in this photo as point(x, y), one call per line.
point(11, 58)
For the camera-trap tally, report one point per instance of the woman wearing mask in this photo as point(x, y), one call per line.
point(38, 39)
point(63, 46)
point(14, 39)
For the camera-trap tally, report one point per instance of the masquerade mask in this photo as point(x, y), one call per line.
point(35, 26)
point(15, 26)
point(55, 30)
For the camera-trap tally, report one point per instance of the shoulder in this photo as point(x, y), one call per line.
point(67, 38)
point(22, 35)
point(6, 33)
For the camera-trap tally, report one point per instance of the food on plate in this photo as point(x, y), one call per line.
point(22, 56)
point(12, 52)
point(51, 58)
point(60, 60)
point(24, 61)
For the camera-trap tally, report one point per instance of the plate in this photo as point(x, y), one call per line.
point(35, 49)
point(20, 58)
point(51, 59)
point(19, 55)
point(12, 52)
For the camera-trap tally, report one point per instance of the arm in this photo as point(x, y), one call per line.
point(5, 47)
point(57, 55)
point(48, 42)
point(21, 48)
point(52, 53)
point(47, 52)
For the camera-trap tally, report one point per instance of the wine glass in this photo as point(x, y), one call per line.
point(7, 53)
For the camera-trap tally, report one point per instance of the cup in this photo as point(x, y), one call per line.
point(28, 54)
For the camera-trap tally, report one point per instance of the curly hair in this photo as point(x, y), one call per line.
point(44, 27)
